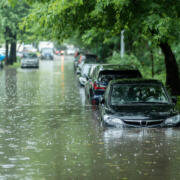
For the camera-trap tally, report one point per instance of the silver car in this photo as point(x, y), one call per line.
point(30, 59)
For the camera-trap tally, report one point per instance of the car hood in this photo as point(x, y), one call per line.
point(144, 112)
point(47, 54)
point(29, 59)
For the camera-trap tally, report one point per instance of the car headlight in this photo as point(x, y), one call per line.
point(115, 121)
point(173, 120)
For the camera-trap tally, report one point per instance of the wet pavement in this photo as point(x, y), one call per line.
point(48, 131)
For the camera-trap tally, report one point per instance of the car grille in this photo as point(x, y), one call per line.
point(144, 123)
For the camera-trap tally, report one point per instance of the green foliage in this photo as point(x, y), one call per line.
point(132, 60)
point(125, 60)
point(15, 65)
point(59, 19)
point(11, 16)
point(97, 25)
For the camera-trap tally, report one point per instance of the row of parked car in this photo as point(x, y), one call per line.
point(124, 97)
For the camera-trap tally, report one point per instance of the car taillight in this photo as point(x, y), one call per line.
point(98, 87)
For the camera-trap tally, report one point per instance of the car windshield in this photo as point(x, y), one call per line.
point(47, 50)
point(29, 55)
point(106, 76)
point(138, 93)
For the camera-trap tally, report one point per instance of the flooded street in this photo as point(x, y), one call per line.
point(48, 131)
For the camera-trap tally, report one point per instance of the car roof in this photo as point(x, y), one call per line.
point(136, 81)
point(115, 67)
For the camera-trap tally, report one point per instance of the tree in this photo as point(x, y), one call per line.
point(154, 20)
point(11, 16)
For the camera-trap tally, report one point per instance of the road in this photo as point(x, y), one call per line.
point(48, 131)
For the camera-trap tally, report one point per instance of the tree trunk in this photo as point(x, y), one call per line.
point(152, 62)
point(13, 50)
point(13, 53)
point(7, 53)
point(7, 32)
point(172, 72)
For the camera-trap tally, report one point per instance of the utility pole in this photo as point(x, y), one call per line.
point(122, 43)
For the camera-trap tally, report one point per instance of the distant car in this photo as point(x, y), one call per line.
point(85, 58)
point(138, 103)
point(102, 74)
point(70, 51)
point(2, 56)
point(30, 60)
point(47, 53)
point(59, 52)
point(76, 59)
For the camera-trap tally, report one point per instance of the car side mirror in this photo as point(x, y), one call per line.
point(174, 99)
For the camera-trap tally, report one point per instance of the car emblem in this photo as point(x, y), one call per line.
point(143, 123)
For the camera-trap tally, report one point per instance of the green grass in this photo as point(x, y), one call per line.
point(15, 65)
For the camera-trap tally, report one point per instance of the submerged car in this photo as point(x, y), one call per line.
point(102, 74)
point(138, 103)
point(30, 60)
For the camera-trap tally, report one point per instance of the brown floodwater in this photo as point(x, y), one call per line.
point(48, 131)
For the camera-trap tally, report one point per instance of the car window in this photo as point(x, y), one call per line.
point(138, 93)
point(108, 75)
point(47, 50)
point(29, 55)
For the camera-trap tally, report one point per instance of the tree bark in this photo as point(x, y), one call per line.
point(13, 50)
point(152, 62)
point(7, 32)
point(172, 71)
point(13, 53)
point(7, 53)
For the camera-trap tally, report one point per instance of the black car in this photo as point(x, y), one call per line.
point(102, 74)
point(138, 103)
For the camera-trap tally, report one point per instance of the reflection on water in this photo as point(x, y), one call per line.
point(49, 131)
point(10, 82)
point(148, 153)
point(62, 75)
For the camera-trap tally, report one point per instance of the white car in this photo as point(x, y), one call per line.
point(70, 51)
point(30, 60)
